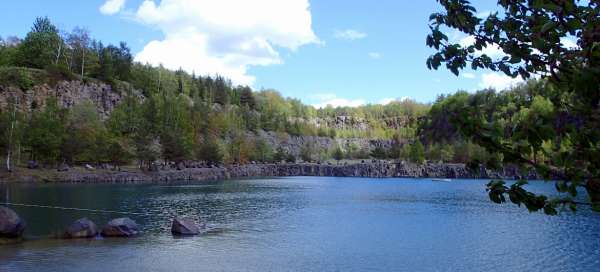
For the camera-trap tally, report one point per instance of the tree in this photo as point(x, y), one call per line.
point(209, 151)
point(8, 51)
point(379, 153)
point(11, 129)
point(307, 151)
point(447, 153)
point(263, 151)
point(42, 46)
point(79, 42)
point(119, 152)
point(338, 154)
point(86, 137)
point(417, 152)
point(247, 98)
point(45, 133)
point(529, 34)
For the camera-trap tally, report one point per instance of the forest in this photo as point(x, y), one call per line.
point(173, 116)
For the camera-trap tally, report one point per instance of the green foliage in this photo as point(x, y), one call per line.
point(308, 151)
point(379, 153)
point(417, 152)
point(338, 153)
point(86, 139)
point(555, 130)
point(42, 45)
point(17, 77)
point(45, 133)
point(209, 151)
point(282, 155)
point(263, 151)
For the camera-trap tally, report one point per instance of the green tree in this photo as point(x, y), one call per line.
point(86, 139)
point(119, 152)
point(417, 152)
point(338, 153)
point(307, 151)
point(529, 34)
point(11, 132)
point(209, 151)
point(379, 153)
point(42, 46)
point(447, 153)
point(263, 151)
point(45, 133)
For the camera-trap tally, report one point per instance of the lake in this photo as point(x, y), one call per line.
point(303, 224)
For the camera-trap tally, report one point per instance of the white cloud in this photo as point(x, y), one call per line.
point(388, 100)
point(327, 99)
point(349, 34)
point(492, 51)
point(468, 75)
point(111, 7)
point(498, 81)
point(375, 55)
point(211, 37)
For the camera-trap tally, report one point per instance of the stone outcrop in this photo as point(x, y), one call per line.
point(294, 144)
point(67, 94)
point(192, 173)
point(11, 225)
point(120, 227)
point(185, 227)
point(82, 228)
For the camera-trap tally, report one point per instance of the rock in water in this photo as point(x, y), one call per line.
point(82, 228)
point(120, 227)
point(11, 225)
point(184, 226)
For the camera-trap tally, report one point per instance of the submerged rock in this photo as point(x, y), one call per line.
point(82, 228)
point(120, 227)
point(185, 227)
point(11, 225)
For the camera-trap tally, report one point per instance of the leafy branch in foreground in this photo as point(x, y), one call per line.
point(561, 124)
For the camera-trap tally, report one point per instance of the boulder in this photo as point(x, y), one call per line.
point(120, 227)
point(82, 228)
point(11, 225)
point(184, 227)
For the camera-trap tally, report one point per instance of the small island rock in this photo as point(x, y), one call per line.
point(120, 227)
point(11, 225)
point(185, 227)
point(82, 228)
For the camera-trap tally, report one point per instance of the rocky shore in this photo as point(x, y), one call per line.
point(371, 169)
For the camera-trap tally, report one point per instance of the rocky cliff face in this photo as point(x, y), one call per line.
point(294, 144)
point(375, 169)
point(67, 94)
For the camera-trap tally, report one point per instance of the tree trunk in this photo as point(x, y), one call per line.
point(82, 63)
point(58, 51)
point(9, 148)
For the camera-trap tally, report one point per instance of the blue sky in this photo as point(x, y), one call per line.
point(338, 52)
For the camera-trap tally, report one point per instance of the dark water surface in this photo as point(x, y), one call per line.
point(304, 224)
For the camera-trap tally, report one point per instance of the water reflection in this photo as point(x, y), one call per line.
point(304, 224)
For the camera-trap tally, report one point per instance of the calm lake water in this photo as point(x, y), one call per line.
point(305, 224)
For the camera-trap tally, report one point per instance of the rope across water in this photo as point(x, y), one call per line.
point(71, 208)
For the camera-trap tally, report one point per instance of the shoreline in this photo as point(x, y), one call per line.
point(375, 169)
